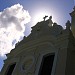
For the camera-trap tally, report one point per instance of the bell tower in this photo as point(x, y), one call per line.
point(73, 21)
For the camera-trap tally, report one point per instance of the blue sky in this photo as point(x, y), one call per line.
point(59, 9)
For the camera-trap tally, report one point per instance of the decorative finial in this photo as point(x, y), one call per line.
point(45, 18)
point(68, 24)
point(74, 8)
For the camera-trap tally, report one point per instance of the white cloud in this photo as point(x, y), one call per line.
point(12, 26)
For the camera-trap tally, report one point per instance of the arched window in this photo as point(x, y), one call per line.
point(10, 69)
point(46, 65)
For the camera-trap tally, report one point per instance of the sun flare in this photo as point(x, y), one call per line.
point(39, 17)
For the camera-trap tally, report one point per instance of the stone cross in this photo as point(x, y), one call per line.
point(45, 17)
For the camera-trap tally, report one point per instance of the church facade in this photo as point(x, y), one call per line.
point(48, 50)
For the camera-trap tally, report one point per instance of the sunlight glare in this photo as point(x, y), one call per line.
point(39, 17)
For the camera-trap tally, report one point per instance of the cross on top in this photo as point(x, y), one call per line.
point(45, 18)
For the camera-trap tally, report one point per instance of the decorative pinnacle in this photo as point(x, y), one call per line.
point(74, 8)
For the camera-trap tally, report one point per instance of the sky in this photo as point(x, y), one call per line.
point(18, 16)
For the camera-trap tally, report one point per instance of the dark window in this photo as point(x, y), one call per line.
point(46, 65)
point(10, 69)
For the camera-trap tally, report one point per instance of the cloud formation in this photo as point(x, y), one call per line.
point(12, 27)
